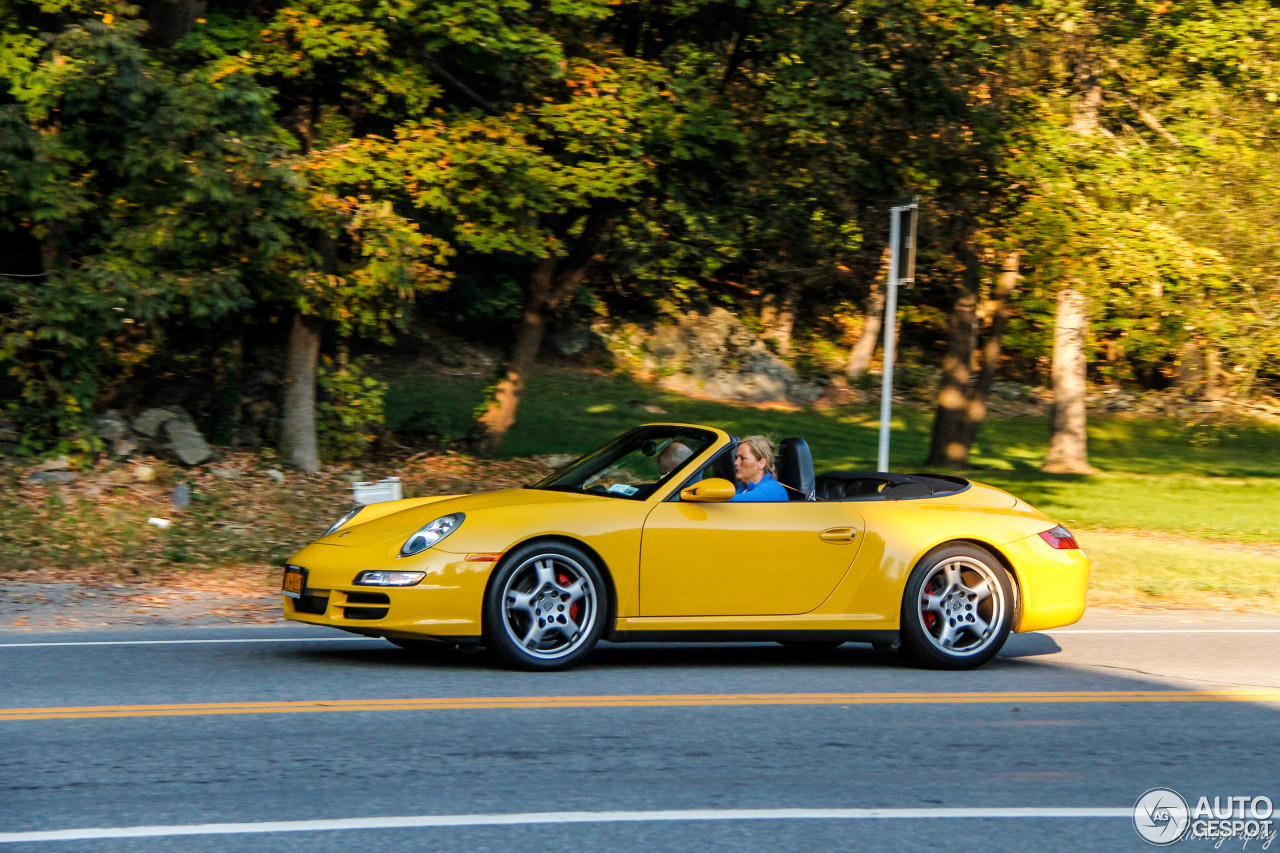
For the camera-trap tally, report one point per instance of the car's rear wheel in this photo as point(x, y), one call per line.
point(957, 609)
point(546, 606)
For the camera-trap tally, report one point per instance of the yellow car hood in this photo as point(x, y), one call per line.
point(393, 523)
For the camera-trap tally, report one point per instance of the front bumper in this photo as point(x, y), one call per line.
point(446, 604)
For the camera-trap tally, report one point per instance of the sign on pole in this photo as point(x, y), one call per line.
point(905, 245)
point(902, 269)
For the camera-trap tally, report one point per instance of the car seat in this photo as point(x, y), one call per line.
point(795, 469)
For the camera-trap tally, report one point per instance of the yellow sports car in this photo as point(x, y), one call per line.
point(639, 541)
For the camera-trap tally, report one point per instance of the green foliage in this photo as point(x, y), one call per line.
point(342, 160)
point(350, 407)
point(433, 405)
point(1138, 195)
point(146, 195)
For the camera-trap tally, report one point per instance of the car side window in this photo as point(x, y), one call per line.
point(720, 465)
point(634, 469)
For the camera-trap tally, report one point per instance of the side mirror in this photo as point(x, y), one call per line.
point(714, 489)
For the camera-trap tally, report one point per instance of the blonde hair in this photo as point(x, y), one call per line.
point(761, 448)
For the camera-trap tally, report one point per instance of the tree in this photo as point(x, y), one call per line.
point(873, 315)
point(1068, 436)
point(1114, 131)
point(962, 403)
point(134, 197)
point(340, 75)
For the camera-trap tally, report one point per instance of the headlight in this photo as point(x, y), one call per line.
point(389, 578)
point(430, 534)
point(350, 515)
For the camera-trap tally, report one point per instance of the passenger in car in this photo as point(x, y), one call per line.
point(753, 466)
point(671, 457)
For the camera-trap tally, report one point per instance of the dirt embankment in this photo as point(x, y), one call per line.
point(192, 599)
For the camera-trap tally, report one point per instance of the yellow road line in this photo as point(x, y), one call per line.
point(637, 701)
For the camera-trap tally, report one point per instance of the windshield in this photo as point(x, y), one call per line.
point(633, 465)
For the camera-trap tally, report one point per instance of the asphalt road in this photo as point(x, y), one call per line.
point(304, 739)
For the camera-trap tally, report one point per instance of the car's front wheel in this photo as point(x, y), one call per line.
point(957, 609)
point(546, 606)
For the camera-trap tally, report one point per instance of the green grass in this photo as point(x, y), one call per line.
point(432, 406)
point(1217, 482)
point(1230, 510)
point(1132, 569)
point(1187, 486)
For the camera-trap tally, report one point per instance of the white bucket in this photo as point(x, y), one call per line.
point(376, 492)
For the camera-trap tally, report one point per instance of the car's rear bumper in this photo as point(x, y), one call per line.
point(1052, 583)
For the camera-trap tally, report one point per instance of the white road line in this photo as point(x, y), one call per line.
point(1161, 631)
point(4, 645)
point(1064, 631)
point(526, 819)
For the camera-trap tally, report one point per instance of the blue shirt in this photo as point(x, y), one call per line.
point(768, 489)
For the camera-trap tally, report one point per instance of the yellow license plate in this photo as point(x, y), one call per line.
point(295, 582)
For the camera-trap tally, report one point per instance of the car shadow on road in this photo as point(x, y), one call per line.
point(680, 655)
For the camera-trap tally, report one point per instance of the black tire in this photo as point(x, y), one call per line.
point(957, 609)
point(546, 606)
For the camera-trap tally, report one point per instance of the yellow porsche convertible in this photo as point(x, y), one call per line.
point(638, 542)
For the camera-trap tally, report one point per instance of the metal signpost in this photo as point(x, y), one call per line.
point(902, 270)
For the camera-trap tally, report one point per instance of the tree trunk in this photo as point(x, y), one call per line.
point(548, 288)
point(1189, 374)
point(1086, 110)
point(299, 429)
point(50, 248)
point(54, 234)
point(977, 409)
point(779, 323)
point(1212, 367)
point(1068, 439)
point(947, 446)
point(500, 414)
point(873, 318)
point(1068, 427)
point(228, 390)
point(962, 406)
point(169, 20)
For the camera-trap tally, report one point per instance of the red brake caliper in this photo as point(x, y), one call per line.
point(573, 608)
point(930, 618)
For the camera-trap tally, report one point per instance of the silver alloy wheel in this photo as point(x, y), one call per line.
point(962, 606)
point(549, 606)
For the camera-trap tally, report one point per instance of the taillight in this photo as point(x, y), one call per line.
point(1060, 538)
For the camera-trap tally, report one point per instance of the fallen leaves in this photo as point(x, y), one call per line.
point(94, 531)
point(89, 540)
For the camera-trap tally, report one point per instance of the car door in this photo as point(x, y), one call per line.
point(744, 559)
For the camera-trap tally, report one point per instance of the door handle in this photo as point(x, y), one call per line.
point(838, 535)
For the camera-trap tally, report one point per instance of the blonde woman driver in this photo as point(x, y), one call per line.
point(753, 466)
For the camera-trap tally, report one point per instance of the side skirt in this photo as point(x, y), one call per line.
point(756, 636)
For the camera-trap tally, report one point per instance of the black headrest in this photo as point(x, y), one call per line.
point(722, 465)
point(795, 469)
